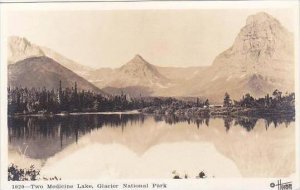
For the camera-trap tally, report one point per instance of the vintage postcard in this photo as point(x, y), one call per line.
point(150, 95)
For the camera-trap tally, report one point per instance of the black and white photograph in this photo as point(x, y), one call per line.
point(179, 92)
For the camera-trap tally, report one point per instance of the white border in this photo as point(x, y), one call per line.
point(230, 183)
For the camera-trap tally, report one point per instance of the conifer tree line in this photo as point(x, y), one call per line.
point(276, 101)
point(42, 100)
point(23, 100)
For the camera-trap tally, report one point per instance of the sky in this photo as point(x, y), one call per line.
point(110, 38)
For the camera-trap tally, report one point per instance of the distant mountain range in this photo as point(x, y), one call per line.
point(260, 60)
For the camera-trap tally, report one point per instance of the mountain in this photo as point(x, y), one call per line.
point(20, 49)
point(77, 68)
point(138, 72)
point(100, 77)
point(260, 60)
point(153, 77)
point(39, 72)
point(134, 76)
point(175, 76)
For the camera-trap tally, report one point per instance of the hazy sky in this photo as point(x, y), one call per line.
point(110, 38)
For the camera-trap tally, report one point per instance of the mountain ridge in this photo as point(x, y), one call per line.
point(20, 48)
point(47, 73)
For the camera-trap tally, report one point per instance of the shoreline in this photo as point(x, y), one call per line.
point(188, 112)
point(74, 113)
point(221, 112)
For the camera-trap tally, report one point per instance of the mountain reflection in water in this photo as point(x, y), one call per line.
point(256, 146)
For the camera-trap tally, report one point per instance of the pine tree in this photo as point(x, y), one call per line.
point(206, 103)
point(227, 101)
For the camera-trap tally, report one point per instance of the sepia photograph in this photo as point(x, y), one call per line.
point(205, 93)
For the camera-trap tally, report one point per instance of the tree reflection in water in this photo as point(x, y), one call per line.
point(227, 122)
point(78, 125)
point(172, 119)
point(246, 122)
point(67, 126)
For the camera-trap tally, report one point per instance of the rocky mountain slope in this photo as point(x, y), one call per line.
point(138, 72)
point(260, 60)
point(20, 48)
point(77, 68)
point(136, 77)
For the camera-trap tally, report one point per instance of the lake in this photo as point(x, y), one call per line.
point(124, 146)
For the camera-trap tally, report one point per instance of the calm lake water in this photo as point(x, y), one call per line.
point(97, 146)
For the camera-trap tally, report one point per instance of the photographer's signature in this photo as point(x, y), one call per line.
point(282, 186)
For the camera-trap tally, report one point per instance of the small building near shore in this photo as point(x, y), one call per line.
point(215, 106)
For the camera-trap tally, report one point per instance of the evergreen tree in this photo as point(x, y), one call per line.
point(248, 101)
point(227, 101)
point(206, 103)
point(277, 94)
